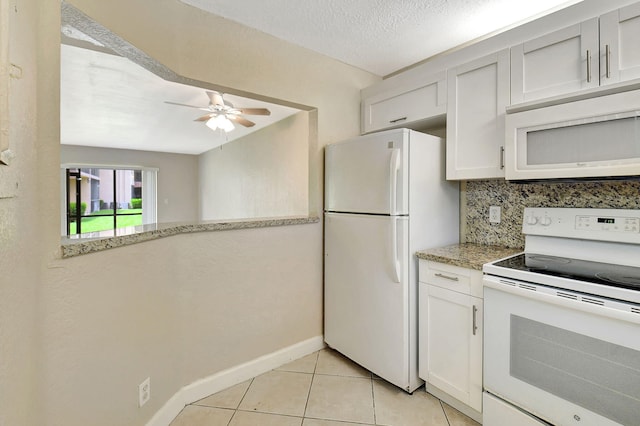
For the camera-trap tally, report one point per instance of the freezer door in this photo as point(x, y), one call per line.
point(367, 294)
point(368, 174)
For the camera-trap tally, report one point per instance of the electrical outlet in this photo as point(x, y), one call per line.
point(144, 392)
point(494, 214)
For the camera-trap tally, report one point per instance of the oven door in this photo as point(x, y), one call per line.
point(568, 361)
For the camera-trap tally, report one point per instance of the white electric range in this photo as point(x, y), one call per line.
point(562, 322)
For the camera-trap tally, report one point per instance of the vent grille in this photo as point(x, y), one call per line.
point(567, 295)
point(635, 310)
point(593, 301)
point(527, 287)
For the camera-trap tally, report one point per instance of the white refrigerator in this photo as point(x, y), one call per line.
point(386, 197)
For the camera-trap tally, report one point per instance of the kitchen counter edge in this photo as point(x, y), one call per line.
point(95, 242)
point(467, 255)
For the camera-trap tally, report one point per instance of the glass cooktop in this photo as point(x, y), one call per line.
point(582, 270)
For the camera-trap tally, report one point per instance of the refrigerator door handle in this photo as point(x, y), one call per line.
point(394, 167)
point(394, 248)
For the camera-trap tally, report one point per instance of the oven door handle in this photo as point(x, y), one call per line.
point(528, 291)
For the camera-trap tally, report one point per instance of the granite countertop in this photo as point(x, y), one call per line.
point(467, 255)
point(99, 241)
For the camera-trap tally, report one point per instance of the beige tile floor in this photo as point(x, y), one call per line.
point(321, 389)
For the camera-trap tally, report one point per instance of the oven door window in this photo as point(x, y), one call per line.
point(562, 363)
point(588, 372)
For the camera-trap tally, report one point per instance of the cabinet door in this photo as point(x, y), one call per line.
point(560, 62)
point(619, 53)
point(478, 93)
point(450, 343)
point(408, 103)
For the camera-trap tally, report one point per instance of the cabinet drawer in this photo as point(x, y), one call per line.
point(406, 104)
point(455, 278)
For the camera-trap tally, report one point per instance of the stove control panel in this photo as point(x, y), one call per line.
point(608, 223)
point(618, 225)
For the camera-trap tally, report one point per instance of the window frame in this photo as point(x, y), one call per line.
point(149, 200)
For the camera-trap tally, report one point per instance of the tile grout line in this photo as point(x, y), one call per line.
point(313, 376)
point(444, 411)
point(373, 401)
point(269, 413)
point(240, 402)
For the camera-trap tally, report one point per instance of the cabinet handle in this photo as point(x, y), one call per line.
point(475, 324)
point(447, 277)
point(608, 60)
point(588, 66)
point(397, 119)
point(501, 157)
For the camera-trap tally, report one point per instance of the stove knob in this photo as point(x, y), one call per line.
point(545, 221)
point(532, 220)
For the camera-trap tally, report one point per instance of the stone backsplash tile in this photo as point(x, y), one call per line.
point(514, 197)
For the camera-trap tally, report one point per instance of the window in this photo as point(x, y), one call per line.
point(101, 199)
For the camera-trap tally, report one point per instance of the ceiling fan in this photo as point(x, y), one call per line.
point(221, 114)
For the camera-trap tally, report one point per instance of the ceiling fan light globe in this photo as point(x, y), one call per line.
point(212, 123)
point(226, 125)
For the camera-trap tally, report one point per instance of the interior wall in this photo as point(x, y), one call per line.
point(20, 223)
point(181, 308)
point(177, 185)
point(265, 174)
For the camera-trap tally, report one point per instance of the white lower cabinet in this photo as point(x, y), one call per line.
point(450, 335)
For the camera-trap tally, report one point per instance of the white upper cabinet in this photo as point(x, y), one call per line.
point(593, 53)
point(561, 62)
point(478, 94)
point(619, 38)
point(410, 104)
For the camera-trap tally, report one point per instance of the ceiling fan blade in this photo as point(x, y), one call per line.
point(254, 111)
point(205, 117)
point(215, 97)
point(241, 120)
point(185, 105)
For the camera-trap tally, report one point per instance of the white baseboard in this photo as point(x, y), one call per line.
point(458, 405)
point(232, 376)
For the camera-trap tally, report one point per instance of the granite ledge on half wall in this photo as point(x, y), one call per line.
point(467, 255)
point(99, 241)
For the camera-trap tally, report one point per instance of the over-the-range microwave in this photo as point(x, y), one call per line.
point(598, 137)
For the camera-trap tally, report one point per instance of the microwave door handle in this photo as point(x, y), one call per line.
point(394, 167)
point(607, 61)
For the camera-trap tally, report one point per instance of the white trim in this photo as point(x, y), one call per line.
point(149, 196)
point(63, 202)
point(455, 403)
point(105, 166)
point(232, 376)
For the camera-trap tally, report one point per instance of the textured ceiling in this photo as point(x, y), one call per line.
point(108, 101)
point(380, 36)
